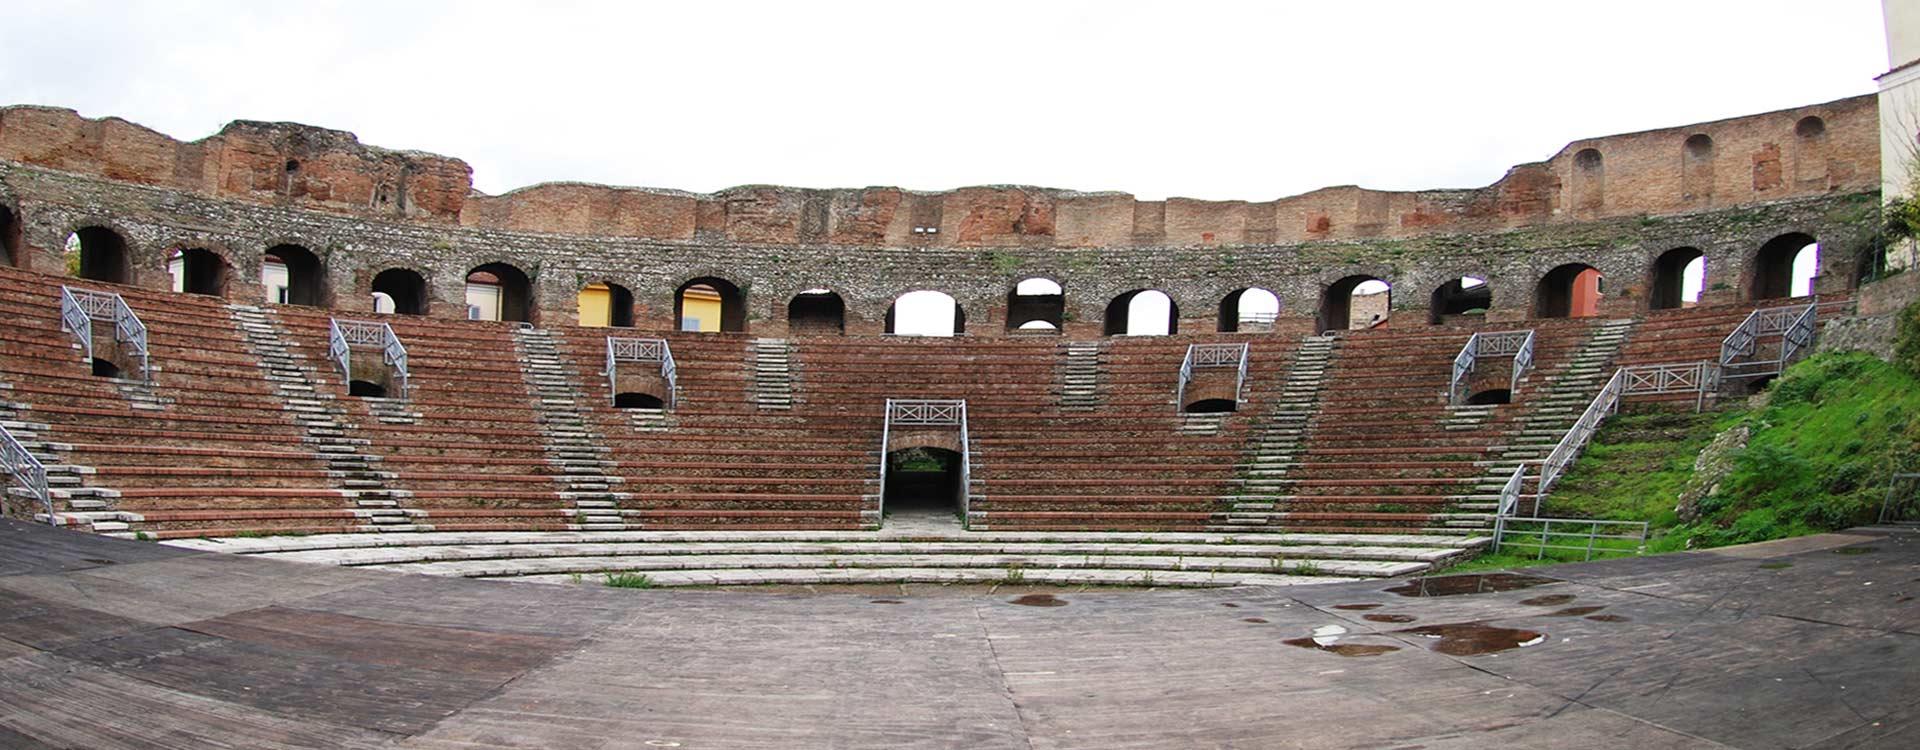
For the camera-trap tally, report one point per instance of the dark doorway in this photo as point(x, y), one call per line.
point(710, 304)
point(1467, 295)
point(404, 289)
point(102, 255)
point(1670, 290)
point(500, 292)
point(10, 233)
point(632, 400)
point(922, 480)
point(1372, 295)
point(199, 271)
point(1568, 291)
point(816, 312)
point(305, 282)
point(1773, 267)
point(366, 389)
point(1490, 397)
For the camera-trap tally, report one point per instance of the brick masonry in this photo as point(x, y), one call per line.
point(1614, 203)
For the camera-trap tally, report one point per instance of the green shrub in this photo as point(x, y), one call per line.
point(1906, 341)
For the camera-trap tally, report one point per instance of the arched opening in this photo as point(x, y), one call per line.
point(400, 290)
point(198, 271)
point(1589, 179)
point(925, 313)
point(366, 389)
point(499, 291)
point(105, 369)
point(632, 400)
point(922, 479)
point(100, 254)
point(1250, 309)
point(817, 312)
point(1356, 302)
point(1810, 151)
point(605, 304)
point(1036, 304)
point(1785, 267)
point(1142, 312)
point(1679, 275)
point(1569, 291)
point(1491, 396)
point(10, 232)
point(292, 275)
point(710, 304)
point(1464, 296)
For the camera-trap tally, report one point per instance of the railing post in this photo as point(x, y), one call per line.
point(27, 470)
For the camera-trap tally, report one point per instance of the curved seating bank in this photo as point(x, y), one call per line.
point(1338, 437)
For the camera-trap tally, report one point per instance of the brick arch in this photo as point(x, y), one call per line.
point(206, 267)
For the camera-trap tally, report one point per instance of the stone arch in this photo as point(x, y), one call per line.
point(1337, 303)
point(1461, 296)
point(1773, 266)
point(711, 304)
point(1132, 314)
point(1668, 278)
point(1036, 303)
point(816, 312)
point(305, 276)
point(1570, 290)
point(198, 270)
point(925, 313)
point(405, 290)
point(1696, 168)
point(100, 254)
point(1810, 151)
point(1251, 308)
point(605, 304)
point(10, 236)
point(499, 291)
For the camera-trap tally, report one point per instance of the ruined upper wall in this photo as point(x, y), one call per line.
point(1752, 159)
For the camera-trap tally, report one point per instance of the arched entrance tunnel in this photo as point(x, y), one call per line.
point(922, 481)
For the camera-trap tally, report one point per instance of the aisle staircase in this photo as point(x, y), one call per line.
point(572, 445)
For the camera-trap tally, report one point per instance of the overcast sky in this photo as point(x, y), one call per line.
point(1175, 98)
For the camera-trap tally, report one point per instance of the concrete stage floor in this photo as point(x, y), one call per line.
point(1805, 643)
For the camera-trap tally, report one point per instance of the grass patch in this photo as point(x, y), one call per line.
point(626, 580)
point(1636, 466)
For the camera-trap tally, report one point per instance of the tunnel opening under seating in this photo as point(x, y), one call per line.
point(1785, 267)
point(1490, 397)
point(1250, 310)
point(1036, 304)
point(106, 369)
point(99, 254)
point(499, 291)
point(638, 400)
point(1460, 298)
point(400, 290)
point(198, 271)
point(922, 480)
point(1572, 290)
point(1142, 312)
point(1212, 406)
point(818, 312)
point(10, 234)
point(1678, 278)
point(293, 275)
point(710, 304)
point(366, 389)
point(1356, 302)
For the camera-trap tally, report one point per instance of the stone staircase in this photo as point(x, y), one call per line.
point(91, 507)
point(772, 374)
point(324, 421)
point(1274, 450)
point(1080, 381)
point(919, 555)
point(572, 446)
point(140, 394)
point(1564, 395)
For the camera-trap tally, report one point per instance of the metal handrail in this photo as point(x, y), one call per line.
point(645, 351)
point(343, 335)
point(1700, 378)
point(1604, 403)
point(26, 470)
point(80, 307)
point(1798, 336)
point(1212, 356)
point(1761, 322)
point(1592, 535)
point(1516, 344)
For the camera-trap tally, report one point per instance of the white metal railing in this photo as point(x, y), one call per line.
point(1793, 323)
point(26, 470)
point(79, 308)
point(644, 351)
point(1699, 378)
point(1516, 344)
point(1605, 403)
point(1212, 357)
point(928, 413)
point(344, 335)
point(1539, 535)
